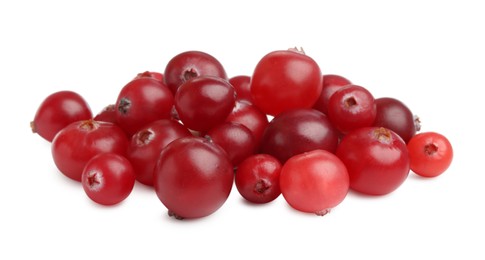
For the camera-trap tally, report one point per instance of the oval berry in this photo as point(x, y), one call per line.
point(57, 111)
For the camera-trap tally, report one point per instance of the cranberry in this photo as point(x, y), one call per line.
point(396, 116)
point(193, 177)
point(351, 107)
point(258, 178)
point(377, 160)
point(251, 117)
point(108, 178)
point(107, 114)
point(236, 140)
point(147, 144)
point(297, 131)
point(241, 84)
point(141, 101)
point(57, 111)
point(191, 64)
point(285, 80)
point(204, 102)
point(330, 84)
point(430, 154)
point(78, 142)
point(314, 182)
point(151, 74)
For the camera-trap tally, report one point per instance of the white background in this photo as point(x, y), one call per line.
point(429, 54)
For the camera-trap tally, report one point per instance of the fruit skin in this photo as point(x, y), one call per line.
point(108, 178)
point(314, 182)
point(107, 114)
point(393, 114)
point(147, 144)
point(298, 131)
point(258, 178)
point(376, 158)
point(251, 117)
point(430, 154)
point(351, 107)
point(242, 85)
point(78, 142)
point(330, 84)
point(191, 64)
point(57, 111)
point(285, 80)
point(142, 101)
point(204, 102)
point(193, 177)
point(237, 141)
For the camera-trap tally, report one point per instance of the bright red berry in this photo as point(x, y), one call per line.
point(108, 178)
point(430, 154)
point(57, 111)
point(285, 80)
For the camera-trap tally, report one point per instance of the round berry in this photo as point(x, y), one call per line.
point(376, 158)
point(189, 65)
point(142, 101)
point(258, 178)
point(204, 102)
point(430, 154)
point(285, 80)
point(314, 182)
point(193, 177)
point(351, 107)
point(108, 178)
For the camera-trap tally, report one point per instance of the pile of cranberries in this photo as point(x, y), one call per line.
point(192, 132)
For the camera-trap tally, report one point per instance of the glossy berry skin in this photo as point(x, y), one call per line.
point(430, 154)
point(204, 102)
point(314, 182)
point(78, 142)
point(330, 84)
point(147, 144)
point(236, 140)
point(376, 158)
point(108, 178)
point(57, 111)
point(193, 177)
point(191, 64)
point(396, 116)
point(258, 178)
point(298, 131)
point(107, 114)
point(241, 85)
point(141, 101)
point(285, 80)
point(151, 74)
point(251, 117)
point(351, 107)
